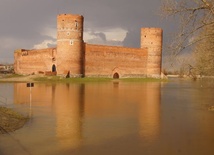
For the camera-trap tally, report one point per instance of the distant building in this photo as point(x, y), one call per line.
point(6, 68)
point(79, 59)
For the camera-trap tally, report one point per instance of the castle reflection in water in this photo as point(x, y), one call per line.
point(91, 113)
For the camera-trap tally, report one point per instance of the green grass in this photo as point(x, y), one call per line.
point(70, 80)
point(86, 79)
point(58, 79)
point(47, 79)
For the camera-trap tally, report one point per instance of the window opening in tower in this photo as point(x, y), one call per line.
point(76, 24)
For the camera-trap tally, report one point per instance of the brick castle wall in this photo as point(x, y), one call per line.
point(34, 61)
point(105, 61)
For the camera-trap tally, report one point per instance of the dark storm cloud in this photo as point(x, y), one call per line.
point(126, 14)
point(132, 38)
point(25, 17)
point(22, 22)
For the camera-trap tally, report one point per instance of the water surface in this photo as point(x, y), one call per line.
point(112, 118)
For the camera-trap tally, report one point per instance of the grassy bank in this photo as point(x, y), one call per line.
point(10, 120)
point(56, 79)
point(87, 80)
point(70, 80)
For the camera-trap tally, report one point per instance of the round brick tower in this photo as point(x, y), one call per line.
point(70, 45)
point(151, 38)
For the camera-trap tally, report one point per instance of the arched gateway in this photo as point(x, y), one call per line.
point(116, 76)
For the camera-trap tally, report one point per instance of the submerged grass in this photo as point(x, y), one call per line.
point(11, 113)
point(11, 120)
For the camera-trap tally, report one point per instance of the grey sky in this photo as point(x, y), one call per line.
point(32, 23)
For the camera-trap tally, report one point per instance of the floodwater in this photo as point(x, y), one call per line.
point(112, 118)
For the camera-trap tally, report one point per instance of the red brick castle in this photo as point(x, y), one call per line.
point(72, 55)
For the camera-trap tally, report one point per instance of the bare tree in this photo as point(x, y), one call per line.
point(194, 16)
point(195, 32)
point(204, 52)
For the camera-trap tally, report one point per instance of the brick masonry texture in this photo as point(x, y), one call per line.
point(72, 55)
point(108, 60)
